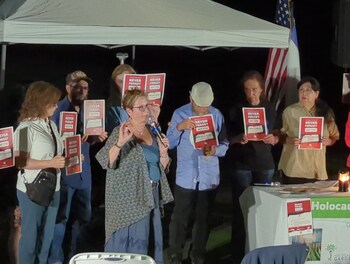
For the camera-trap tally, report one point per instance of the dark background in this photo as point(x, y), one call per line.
point(184, 67)
point(220, 67)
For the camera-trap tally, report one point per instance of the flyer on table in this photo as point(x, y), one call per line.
point(310, 132)
point(68, 123)
point(203, 134)
point(94, 117)
point(254, 119)
point(299, 217)
point(7, 157)
point(152, 84)
point(73, 154)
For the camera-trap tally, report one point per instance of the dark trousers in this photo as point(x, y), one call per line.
point(241, 179)
point(76, 202)
point(190, 202)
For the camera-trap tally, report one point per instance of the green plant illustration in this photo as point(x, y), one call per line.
point(330, 248)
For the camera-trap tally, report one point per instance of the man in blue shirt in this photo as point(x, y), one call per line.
point(197, 173)
point(75, 192)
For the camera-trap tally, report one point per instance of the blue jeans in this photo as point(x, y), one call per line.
point(241, 179)
point(75, 204)
point(37, 229)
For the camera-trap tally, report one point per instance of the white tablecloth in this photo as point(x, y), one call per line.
point(265, 213)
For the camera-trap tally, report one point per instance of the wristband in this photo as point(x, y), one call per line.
point(119, 147)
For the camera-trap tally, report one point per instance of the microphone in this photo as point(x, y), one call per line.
point(156, 129)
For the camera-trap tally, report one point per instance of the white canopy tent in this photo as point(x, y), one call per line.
point(193, 23)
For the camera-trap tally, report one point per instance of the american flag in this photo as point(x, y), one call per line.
point(283, 67)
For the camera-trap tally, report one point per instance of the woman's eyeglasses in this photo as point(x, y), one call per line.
point(306, 91)
point(143, 108)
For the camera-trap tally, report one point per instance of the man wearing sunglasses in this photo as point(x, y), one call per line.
point(75, 192)
point(197, 174)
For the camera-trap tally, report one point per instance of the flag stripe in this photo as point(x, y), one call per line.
point(276, 67)
point(283, 66)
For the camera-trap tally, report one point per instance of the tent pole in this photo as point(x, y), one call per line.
point(133, 56)
point(3, 66)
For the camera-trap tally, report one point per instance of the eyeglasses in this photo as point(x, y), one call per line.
point(306, 91)
point(143, 108)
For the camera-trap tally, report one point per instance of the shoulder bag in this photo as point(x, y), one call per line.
point(42, 189)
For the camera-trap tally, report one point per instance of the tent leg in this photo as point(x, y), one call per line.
point(3, 66)
point(133, 56)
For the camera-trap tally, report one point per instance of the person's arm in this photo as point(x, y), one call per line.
point(273, 126)
point(102, 155)
point(173, 133)
point(333, 134)
point(92, 139)
point(155, 112)
point(109, 154)
point(283, 134)
point(24, 137)
point(24, 162)
point(235, 130)
point(163, 151)
point(222, 136)
point(271, 139)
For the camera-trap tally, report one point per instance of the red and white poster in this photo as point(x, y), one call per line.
point(152, 84)
point(155, 84)
point(7, 157)
point(68, 123)
point(73, 154)
point(299, 217)
point(254, 119)
point(310, 132)
point(134, 82)
point(204, 133)
point(94, 117)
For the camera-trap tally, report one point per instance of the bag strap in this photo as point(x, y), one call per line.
point(54, 137)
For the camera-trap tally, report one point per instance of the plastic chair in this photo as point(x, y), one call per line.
point(289, 254)
point(106, 257)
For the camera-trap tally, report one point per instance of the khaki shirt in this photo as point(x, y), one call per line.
point(309, 163)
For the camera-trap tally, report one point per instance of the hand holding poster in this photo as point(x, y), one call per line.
point(7, 158)
point(254, 119)
point(152, 84)
point(310, 132)
point(94, 117)
point(68, 123)
point(73, 154)
point(203, 134)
